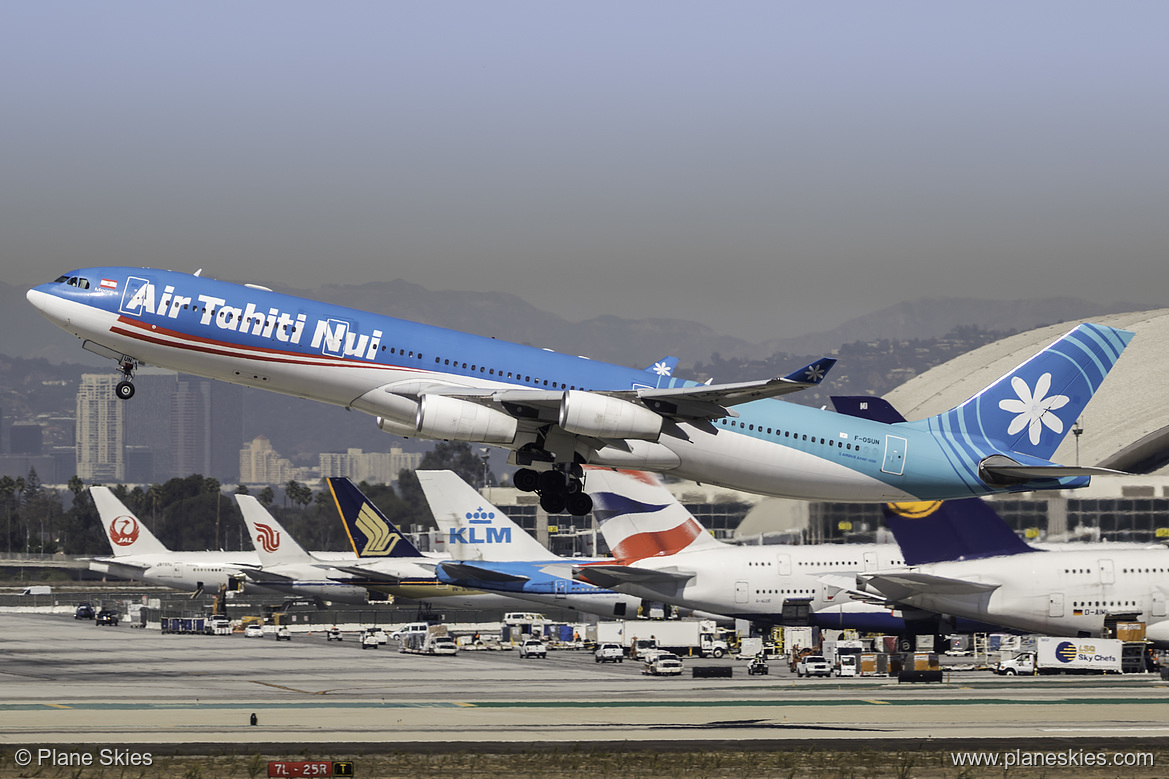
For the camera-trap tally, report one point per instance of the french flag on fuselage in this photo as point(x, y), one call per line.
point(640, 518)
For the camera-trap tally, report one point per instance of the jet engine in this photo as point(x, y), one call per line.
point(600, 416)
point(453, 419)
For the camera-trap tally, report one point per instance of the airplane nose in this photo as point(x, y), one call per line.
point(37, 298)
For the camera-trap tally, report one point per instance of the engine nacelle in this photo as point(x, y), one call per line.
point(453, 419)
point(600, 416)
point(396, 409)
point(393, 427)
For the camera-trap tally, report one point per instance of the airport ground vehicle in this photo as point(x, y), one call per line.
point(283, 634)
point(848, 665)
point(758, 665)
point(662, 664)
point(684, 636)
point(333, 634)
point(609, 653)
point(813, 665)
point(1065, 655)
point(218, 625)
point(106, 617)
point(427, 643)
point(533, 647)
point(443, 645)
point(37, 589)
point(369, 640)
point(410, 629)
point(84, 611)
point(254, 630)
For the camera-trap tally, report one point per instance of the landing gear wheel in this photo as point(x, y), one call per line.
point(552, 502)
point(552, 482)
point(526, 480)
point(124, 390)
point(578, 504)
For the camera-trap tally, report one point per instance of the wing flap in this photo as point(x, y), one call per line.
point(613, 575)
point(900, 585)
point(468, 571)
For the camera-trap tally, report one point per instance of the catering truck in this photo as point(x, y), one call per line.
point(1065, 655)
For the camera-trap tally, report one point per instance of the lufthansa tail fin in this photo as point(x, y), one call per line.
point(273, 544)
point(943, 531)
point(125, 532)
point(473, 528)
point(1032, 408)
point(640, 518)
point(370, 532)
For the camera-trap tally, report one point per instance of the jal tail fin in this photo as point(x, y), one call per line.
point(640, 518)
point(943, 531)
point(472, 527)
point(370, 532)
point(1031, 409)
point(273, 544)
point(125, 532)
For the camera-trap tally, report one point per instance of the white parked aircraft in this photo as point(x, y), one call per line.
point(556, 412)
point(971, 564)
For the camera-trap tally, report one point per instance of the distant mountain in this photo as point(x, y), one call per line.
point(634, 342)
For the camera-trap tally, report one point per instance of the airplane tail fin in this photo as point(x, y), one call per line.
point(474, 529)
point(943, 531)
point(273, 544)
point(125, 532)
point(370, 532)
point(640, 518)
point(1033, 407)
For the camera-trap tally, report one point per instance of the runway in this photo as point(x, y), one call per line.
point(68, 683)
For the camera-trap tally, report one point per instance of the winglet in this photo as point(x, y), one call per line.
point(811, 374)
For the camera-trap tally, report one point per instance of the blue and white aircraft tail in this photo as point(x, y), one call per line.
point(472, 528)
point(370, 532)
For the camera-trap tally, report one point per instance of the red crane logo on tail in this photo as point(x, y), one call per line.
point(124, 530)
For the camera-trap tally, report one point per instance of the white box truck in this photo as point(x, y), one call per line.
point(1065, 655)
point(681, 635)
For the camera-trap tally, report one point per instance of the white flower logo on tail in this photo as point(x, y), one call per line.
point(1032, 408)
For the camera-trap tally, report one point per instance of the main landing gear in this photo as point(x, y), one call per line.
point(125, 388)
point(559, 492)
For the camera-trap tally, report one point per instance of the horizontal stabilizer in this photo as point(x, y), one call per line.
point(369, 574)
point(608, 576)
point(469, 572)
point(898, 586)
point(261, 576)
point(1000, 469)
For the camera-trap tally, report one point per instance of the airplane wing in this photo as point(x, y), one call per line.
point(368, 573)
point(905, 584)
point(260, 576)
point(608, 576)
point(468, 571)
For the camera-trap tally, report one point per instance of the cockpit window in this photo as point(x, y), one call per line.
point(75, 281)
point(61, 279)
point(82, 283)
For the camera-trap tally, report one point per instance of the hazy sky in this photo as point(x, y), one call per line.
point(766, 168)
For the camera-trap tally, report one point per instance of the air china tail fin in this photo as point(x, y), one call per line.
point(941, 531)
point(472, 527)
point(1030, 410)
point(126, 534)
point(370, 532)
point(273, 544)
point(640, 518)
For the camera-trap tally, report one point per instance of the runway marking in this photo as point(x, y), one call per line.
point(467, 705)
point(873, 700)
point(1102, 730)
point(58, 706)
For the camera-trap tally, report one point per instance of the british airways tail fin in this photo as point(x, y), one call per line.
point(1031, 409)
point(273, 544)
point(943, 531)
point(126, 534)
point(472, 527)
point(370, 533)
point(640, 518)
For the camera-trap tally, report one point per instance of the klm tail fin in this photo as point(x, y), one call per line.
point(473, 528)
point(126, 534)
point(371, 534)
point(640, 518)
point(1031, 409)
point(942, 531)
point(273, 545)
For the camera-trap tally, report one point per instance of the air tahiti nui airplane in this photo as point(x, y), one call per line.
point(558, 412)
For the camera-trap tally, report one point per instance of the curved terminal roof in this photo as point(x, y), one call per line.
point(1125, 425)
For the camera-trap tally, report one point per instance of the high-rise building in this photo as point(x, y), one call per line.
point(373, 467)
point(259, 463)
point(206, 428)
point(100, 443)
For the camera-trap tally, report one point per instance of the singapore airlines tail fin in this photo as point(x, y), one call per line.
point(473, 528)
point(273, 545)
point(943, 531)
point(1026, 414)
point(370, 532)
point(125, 532)
point(640, 518)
